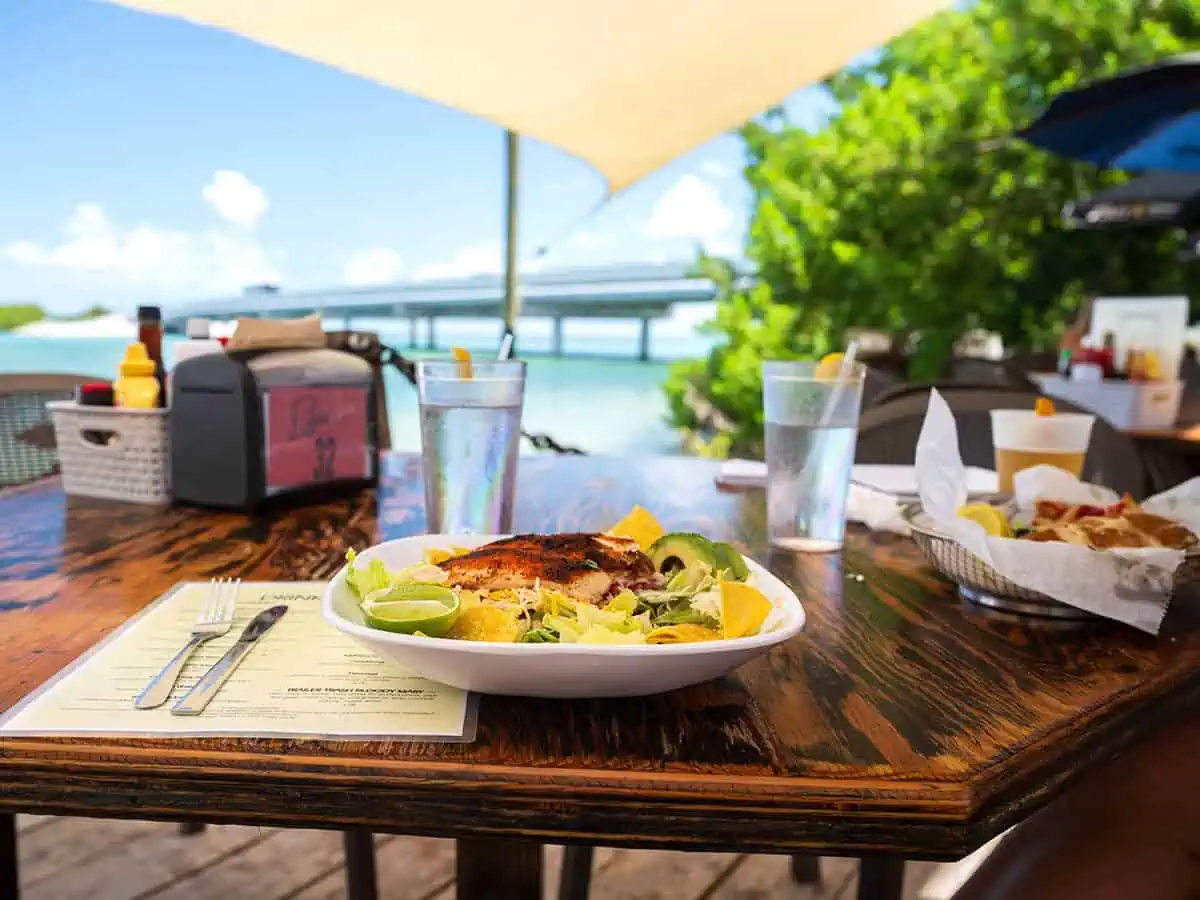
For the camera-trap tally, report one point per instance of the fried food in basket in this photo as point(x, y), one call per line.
point(1123, 524)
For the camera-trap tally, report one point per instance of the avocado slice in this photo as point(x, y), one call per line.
point(680, 549)
point(729, 558)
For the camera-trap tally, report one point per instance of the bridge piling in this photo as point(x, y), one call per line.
point(558, 336)
point(644, 340)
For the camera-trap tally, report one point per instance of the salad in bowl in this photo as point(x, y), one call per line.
point(477, 611)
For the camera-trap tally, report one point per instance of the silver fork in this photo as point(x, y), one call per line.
point(214, 620)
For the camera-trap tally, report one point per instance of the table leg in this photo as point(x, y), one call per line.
point(806, 868)
point(499, 869)
point(359, 848)
point(576, 879)
point(10, 882)
point(880, 878)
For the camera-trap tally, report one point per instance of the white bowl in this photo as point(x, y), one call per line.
point(554, 670)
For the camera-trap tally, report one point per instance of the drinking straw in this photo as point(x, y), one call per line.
point(835, 397)
point(506, 346)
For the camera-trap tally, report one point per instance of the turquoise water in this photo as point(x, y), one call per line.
point(601, 405)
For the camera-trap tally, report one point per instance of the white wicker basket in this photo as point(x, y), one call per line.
point(113, 453)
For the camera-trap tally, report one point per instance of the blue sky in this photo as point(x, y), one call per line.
point(144, 158)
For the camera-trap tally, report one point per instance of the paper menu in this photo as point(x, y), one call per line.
point(302, 679)
point(1129, 585)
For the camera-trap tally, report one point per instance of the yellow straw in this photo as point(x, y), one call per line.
point(463, 358)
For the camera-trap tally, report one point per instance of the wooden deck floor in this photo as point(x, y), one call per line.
point(97, 859)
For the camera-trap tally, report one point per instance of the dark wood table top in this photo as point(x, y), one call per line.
point(902, 720)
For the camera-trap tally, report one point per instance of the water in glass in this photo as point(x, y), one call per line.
point(808, 477)
point(473, 453)
point(811, 430)
point(470, 439)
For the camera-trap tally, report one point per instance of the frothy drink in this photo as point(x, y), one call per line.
point(1023, 439)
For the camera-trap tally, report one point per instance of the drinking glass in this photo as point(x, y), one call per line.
point(470, 437)
point(812, 425)
point(1023, 439)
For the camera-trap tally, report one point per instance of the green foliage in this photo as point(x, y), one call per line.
point(908, 211)
point(18, 314)
point(14, 315)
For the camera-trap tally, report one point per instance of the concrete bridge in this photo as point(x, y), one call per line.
point(641, 292)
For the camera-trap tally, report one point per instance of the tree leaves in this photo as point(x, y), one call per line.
point(912, 211)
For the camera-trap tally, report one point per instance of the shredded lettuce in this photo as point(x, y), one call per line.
point(364, 581)
point(626, 601)
point(593, 617)
point(708, 603)
point(375, 577)
point(599, 635)
point(568, 630)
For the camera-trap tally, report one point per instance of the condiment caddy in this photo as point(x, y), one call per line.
point(1133, 393)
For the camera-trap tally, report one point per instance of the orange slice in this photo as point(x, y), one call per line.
point(830, 366)
point(487, 623)
point(463, 358)
point(639, 526)
point(743, 609)
point(1043, 406)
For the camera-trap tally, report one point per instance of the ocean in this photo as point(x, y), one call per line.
point(598, 398)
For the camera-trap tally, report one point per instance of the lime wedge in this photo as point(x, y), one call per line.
point(408, 608)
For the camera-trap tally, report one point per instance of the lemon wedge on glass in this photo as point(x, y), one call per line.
point(743, 609)
point(993, 521)
point(641, 526)
point(409, 608)
point(830, 366)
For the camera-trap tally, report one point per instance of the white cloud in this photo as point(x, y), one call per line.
point(236, 198)
point(588, 240)
point(484, 258)
point(691, 208)
point(714, 169)
point(376, 265)
point(160, 259)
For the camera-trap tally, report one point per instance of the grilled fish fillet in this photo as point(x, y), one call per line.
point(583, 566)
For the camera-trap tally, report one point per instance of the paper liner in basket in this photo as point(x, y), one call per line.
point(1129, 585)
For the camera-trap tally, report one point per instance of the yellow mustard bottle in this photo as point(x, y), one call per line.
point(137, 388)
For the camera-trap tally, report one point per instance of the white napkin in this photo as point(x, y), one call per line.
point(742, 473)
point(897, 481)
point(1131, 586)
point(875, 509)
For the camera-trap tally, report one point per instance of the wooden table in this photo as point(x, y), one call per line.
point(1171, 455)
point(902, 723)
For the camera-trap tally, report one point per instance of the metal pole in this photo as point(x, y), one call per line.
point(512, 299)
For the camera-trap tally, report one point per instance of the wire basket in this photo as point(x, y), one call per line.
point(113, 453)
point(976, 580)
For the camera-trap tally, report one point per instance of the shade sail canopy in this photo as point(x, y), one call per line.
point(626, 85)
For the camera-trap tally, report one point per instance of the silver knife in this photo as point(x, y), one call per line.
point(193, 702)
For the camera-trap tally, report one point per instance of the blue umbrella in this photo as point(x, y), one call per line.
point(1145, 119)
